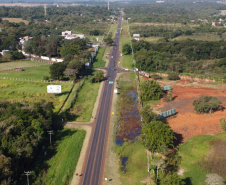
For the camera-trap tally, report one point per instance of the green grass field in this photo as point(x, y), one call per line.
point(193, 151)
point(126, 60)
point(151, 39)
point(63, 164)
point(34, 73)
point(33, 92)
point(136, 166)
point(94, 38)
point(99, 61)
point(19, 64)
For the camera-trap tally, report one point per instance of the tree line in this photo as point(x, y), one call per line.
point(187, 56)
point(170, 32)
point(173, 12)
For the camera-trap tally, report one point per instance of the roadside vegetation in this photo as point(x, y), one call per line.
point(99, 61)
point(127, 58)
point(62, 164)
point(84, 104)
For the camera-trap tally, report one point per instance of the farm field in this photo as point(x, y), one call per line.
point(62, 165)
point(15, 20)
point(187, 123)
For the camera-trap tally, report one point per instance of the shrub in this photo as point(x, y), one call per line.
point(98, 77)
point(173, 76)
point(207, 104)
point(126, 49)
point(223, 123)
point(156, 77)
point(46, 78)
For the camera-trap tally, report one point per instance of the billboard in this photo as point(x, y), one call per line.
point(136, 35)
point(54, 89)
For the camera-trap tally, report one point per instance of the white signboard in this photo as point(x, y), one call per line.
point(54, 89)
point(115, 91)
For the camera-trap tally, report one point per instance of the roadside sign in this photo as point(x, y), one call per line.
point(54, 89)
point(110, 82)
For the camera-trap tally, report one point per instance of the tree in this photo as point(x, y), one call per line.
point(56, 70)
point(207, 104)
point(5, 171)
point(8, 55)
point(157, 134)
point(98, 77)
point(109, 41)
point(126, 49)
point(150, 90)
point(147, 114)
point(173, 76)
point(171, 178)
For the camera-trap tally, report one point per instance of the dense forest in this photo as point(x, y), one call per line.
point(188, 56)
point(23, 133)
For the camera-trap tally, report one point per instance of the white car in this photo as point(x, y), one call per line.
point(111, 56)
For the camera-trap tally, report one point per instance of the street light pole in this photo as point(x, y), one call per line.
point(50, 132)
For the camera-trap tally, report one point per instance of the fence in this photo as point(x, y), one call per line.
point(33, 80)
point(167, 113)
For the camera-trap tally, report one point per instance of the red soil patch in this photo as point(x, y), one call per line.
point(186, 123)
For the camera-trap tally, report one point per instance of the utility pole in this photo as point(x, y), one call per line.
point(50, 132)
point(45, 12)
point(27, 174)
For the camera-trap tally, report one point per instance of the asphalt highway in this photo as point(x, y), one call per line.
point(94, 164)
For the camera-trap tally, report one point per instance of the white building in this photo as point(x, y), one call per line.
point(69, 35)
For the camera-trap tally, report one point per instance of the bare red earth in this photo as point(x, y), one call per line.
point(187, 123)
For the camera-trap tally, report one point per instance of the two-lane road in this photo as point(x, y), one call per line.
point(94, 165)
